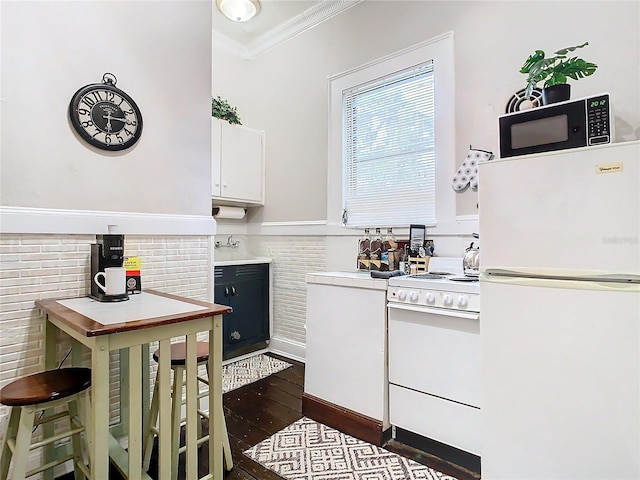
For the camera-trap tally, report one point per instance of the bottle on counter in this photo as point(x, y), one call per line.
point(364, 249)
point(390, 251)
point(404, 260)
point(376, 251)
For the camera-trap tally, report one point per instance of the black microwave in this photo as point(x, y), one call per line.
point(571, 124)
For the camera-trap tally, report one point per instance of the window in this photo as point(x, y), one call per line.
point(389, 149)
point(392, 139)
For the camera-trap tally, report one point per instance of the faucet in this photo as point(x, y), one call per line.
point(231, 243)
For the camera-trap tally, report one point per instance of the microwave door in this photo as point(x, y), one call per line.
point(559, 126)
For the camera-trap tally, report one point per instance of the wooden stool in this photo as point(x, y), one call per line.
point(41, 392)
point(178, 365)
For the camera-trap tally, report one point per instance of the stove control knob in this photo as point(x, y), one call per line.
point(448, 300)
point(402, 295)
point(463, 301)
point(413, 296)
point(431, 297)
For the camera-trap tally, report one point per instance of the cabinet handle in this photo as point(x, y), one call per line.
point(226, 291)
point(233, 291)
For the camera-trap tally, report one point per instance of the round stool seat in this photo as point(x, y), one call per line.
point(45, 386)
point(179, 353)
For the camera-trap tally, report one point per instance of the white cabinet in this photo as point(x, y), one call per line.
point(237, 168)
point(346, 359)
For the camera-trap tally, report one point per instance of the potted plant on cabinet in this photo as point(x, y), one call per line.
point(220, 108)
point(554, 72)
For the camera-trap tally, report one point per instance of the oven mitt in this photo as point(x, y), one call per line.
point(467, 174)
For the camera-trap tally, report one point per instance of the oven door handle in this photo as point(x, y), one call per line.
point(435, 311)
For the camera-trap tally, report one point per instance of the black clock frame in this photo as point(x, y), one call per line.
point(74, 116)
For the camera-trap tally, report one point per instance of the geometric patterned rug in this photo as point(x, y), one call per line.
point(248, 370)
point(308, 450)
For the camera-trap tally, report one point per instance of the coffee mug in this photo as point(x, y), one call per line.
point(114, 280)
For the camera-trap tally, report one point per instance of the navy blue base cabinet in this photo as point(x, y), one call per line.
point(245, 288)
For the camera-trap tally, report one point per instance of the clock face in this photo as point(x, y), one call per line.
point(106, 117)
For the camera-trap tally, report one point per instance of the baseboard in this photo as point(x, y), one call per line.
point(288, 348)
point(445, 452)
point(347, 421)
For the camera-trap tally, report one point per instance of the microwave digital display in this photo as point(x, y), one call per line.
point(540, 132)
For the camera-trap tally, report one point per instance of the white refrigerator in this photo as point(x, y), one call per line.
point(560, 314)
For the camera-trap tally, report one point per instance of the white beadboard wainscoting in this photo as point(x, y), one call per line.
point(51, 259)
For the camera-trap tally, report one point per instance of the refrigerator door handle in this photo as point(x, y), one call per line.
point(559, 282)
point(562, 274)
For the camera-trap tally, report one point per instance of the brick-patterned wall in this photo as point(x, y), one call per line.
point(293, 257)
point(34, 267)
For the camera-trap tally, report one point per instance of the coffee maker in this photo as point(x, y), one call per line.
point(108, 251)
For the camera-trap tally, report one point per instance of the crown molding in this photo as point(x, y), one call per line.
point(311, 17)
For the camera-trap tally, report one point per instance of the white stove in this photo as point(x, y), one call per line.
point(445, 286)
point(434, 356)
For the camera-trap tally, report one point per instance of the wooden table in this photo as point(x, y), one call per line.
point(130, 326)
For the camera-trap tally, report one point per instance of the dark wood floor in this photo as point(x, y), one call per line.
point(258, 410)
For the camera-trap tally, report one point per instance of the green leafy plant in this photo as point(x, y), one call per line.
point(220, 108)
point(555, 70)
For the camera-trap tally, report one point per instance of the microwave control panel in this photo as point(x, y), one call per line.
point(598, 120)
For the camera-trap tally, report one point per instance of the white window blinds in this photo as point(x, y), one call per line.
point(389, 150)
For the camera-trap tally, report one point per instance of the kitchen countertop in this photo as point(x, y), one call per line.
point(240, 261)
point(355, 278)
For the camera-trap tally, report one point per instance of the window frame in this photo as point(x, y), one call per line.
point(440, 51)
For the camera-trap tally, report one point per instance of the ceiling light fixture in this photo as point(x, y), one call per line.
point(238, 10)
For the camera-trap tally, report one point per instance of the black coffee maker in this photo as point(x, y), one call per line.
point(108, 251)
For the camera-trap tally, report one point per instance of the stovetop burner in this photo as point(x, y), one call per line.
point(441, 273)
point(427, 275)
point(464, 279)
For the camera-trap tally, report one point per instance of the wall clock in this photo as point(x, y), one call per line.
point(105, 116)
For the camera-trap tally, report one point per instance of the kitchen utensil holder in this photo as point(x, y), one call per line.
point(421, 263)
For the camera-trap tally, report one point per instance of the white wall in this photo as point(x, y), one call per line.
point(284, 91)
point(160, 53)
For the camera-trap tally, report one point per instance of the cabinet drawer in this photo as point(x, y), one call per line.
point(447, 422)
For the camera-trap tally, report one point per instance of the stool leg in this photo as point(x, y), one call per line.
point(12, 430)
point(84, 412)
point(76, 439)
point(147, 447)
point(226, 447)
point(23, 442)
point(176, 413)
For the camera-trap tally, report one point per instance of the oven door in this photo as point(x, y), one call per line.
point(435, 351)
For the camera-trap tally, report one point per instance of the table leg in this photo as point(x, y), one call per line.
point(215, 399)
point(135, 413)
point(192, 408)
point(124, 366)
point(99, 444)
point(164, 415)
point(50, 363)
point(146, 384)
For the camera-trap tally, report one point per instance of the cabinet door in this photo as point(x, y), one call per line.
point(242, 164)
point(245, 288)
point(248, 324)
point(216, 149)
